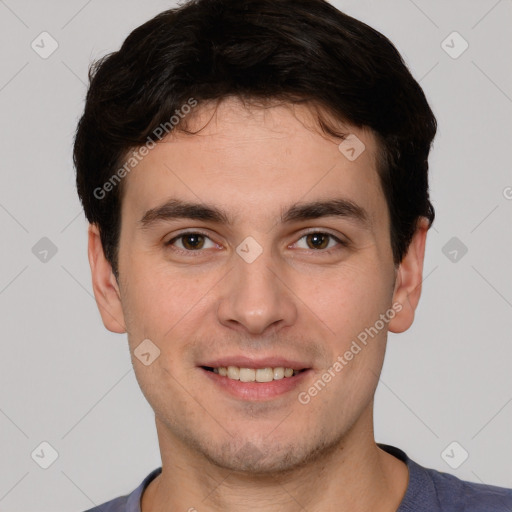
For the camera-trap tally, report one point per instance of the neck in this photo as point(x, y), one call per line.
point(355, 475)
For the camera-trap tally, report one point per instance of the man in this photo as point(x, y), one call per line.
point(255, 177)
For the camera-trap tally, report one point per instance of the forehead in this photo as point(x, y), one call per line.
point(255, 161)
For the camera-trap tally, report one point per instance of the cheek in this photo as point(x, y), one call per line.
point(346, 300)
point(155, 298)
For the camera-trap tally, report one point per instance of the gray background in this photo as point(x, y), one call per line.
point(67, 381)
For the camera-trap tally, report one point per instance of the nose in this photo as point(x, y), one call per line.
point(256, 298)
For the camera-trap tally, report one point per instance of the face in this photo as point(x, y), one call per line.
point(257, 244)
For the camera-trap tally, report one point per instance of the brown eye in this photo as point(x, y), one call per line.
point(191, 242)
point(317, 240)
point(320, 241)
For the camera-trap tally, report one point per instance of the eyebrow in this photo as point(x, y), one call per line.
point(178, 209)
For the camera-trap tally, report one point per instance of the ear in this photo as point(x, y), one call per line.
point(409, 278)
point(105, 286)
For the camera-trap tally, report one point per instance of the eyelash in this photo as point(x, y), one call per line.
point(198, 252)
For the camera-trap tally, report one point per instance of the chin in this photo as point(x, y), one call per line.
point(268, 458)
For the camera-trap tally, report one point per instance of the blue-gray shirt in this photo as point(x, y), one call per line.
point(428, 491)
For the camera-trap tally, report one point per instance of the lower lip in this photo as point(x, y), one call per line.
point(257, 390)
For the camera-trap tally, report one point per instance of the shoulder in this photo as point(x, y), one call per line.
point(115, 505)
point(430, 490)
point(455, 494)
point(130, 502)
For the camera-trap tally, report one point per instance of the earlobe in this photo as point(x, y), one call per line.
point(408, 280)
point(105, 286)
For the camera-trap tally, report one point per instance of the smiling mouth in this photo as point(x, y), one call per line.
point(254, 374)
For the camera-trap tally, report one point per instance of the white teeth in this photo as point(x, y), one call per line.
point(255, 375)
point(234, 372)
point(264, 375)
point(247, 375)
point(278, 373)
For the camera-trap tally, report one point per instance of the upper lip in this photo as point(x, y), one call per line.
point(250, 362)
